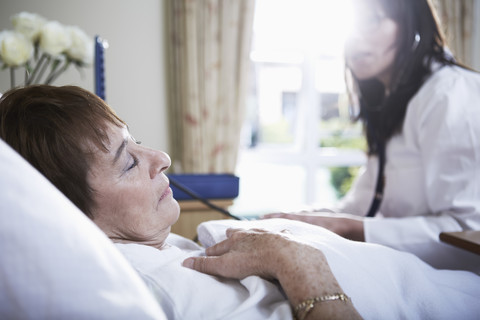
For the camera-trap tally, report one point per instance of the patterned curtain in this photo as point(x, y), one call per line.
point(209, 43)
point(456, 17)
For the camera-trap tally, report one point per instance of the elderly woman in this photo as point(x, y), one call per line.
point(87, 152)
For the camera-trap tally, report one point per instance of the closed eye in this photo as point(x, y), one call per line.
point(134, 164)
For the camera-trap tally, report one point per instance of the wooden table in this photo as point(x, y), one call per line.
point(468, 240)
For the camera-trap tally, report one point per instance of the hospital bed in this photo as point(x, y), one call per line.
point(56, 264)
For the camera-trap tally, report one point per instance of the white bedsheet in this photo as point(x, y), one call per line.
point(383, 283)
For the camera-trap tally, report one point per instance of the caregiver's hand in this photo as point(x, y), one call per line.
point(302, 270)
point(343, 224)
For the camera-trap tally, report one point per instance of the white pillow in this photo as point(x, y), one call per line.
point(55, 262)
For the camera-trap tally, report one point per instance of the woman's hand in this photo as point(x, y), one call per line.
point(271, 256)
point(302, 270)
point(345, 225)
point(245, 253)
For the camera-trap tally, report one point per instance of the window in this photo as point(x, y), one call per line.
point(297, 128)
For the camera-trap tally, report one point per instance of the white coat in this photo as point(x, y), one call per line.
point(432, 174)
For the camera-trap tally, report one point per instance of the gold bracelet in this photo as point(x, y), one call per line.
point(307, 305)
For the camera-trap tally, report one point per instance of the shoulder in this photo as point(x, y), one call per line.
point(449, 89)
point(449, 80)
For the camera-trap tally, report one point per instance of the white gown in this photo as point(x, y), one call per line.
point(432, 174)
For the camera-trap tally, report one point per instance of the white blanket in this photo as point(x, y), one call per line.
point(383, 283)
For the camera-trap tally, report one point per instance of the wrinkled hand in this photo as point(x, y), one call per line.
point(302, 270)
point(245, 253)
point(345, 225)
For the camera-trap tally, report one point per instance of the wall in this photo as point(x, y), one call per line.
point(135, 59)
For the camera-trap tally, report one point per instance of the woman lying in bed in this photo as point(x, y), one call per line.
point(79, 144)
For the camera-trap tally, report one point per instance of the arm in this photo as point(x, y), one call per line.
point(356, 202)
point(346, 225)
point(432, 175)
point(303, 271)
point(440, 129)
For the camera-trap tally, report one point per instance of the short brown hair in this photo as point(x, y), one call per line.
point(52, 128)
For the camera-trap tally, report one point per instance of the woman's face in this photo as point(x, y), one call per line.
point(372, 46)
point(133, 200)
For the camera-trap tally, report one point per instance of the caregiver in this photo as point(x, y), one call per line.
point(420, 110)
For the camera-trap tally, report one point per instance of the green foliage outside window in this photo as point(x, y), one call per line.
point(342, 178)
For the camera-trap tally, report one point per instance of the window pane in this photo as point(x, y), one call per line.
point(267, 187)
point(277, 106)
point(297, 127)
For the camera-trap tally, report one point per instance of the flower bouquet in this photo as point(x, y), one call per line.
point(44, 49)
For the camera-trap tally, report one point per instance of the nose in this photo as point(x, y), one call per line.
point(354, 37)
point(160, 162)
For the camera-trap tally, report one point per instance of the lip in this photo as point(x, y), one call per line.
point(360, 56)
point(166, 193)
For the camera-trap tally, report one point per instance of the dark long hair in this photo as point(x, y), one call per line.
point(421, 42)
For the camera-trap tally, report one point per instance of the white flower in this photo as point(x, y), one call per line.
point(15, 48)
point(82, 47)
point(57, 46)
point(29, 24)
point(54, 38)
